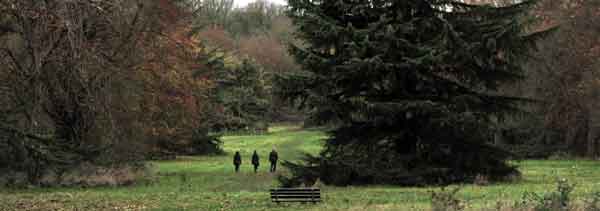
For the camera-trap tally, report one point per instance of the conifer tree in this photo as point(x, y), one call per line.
point(412, 85)
point(242, 93)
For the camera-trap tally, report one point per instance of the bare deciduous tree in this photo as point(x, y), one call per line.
point(66, 76)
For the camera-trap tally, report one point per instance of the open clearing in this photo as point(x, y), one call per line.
point(209, 183)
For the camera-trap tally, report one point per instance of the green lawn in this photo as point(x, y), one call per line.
point(209, 183)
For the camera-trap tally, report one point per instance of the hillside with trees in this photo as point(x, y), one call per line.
point(406, 93)
point(121, 81)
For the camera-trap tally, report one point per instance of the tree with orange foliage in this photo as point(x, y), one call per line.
point(177, 82)
point(93, 81)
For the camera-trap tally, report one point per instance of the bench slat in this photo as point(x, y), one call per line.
point(284, 193)
point(296, 200)
point(295, 195)
point(295, 190)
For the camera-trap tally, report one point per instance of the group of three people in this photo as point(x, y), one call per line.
point(273, 156)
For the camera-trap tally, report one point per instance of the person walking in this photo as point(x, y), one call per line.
point(273, 159)
point(237, 161)
point(255, 161)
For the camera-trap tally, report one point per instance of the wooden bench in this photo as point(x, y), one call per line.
point(296, 195)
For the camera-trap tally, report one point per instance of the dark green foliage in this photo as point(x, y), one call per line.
point(200, 143)
point(243, 98)
point(204, 144)
point(413, 85)
point(301, 174)
point(527, 138)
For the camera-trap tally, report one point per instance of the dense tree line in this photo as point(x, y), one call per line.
point(112, 82)
point(253, 42)
point(99, 82)
point(561, 78)
point(418, 92)
point(566, 75)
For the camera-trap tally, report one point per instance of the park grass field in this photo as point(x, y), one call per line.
point(209, 183)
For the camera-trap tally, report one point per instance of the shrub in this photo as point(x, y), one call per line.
point(481, 179)
point(13, 179)
point(90, 175)
point(446, 200)
point(558, 200)
point(553, 201)
point(560, 155)
point(592, 204)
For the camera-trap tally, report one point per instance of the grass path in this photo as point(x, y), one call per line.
point(216, 172)
point(209, 183)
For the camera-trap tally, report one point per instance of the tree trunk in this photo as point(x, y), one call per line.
point(592, 142)
point(498, 133)
point(577, 134)
point(498, 138)
point(594, 129)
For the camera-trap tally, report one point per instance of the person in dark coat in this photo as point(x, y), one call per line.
point(255, 161)
point(273, 159)
point(237, 161)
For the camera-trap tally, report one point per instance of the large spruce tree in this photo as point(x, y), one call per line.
point(411, 84)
